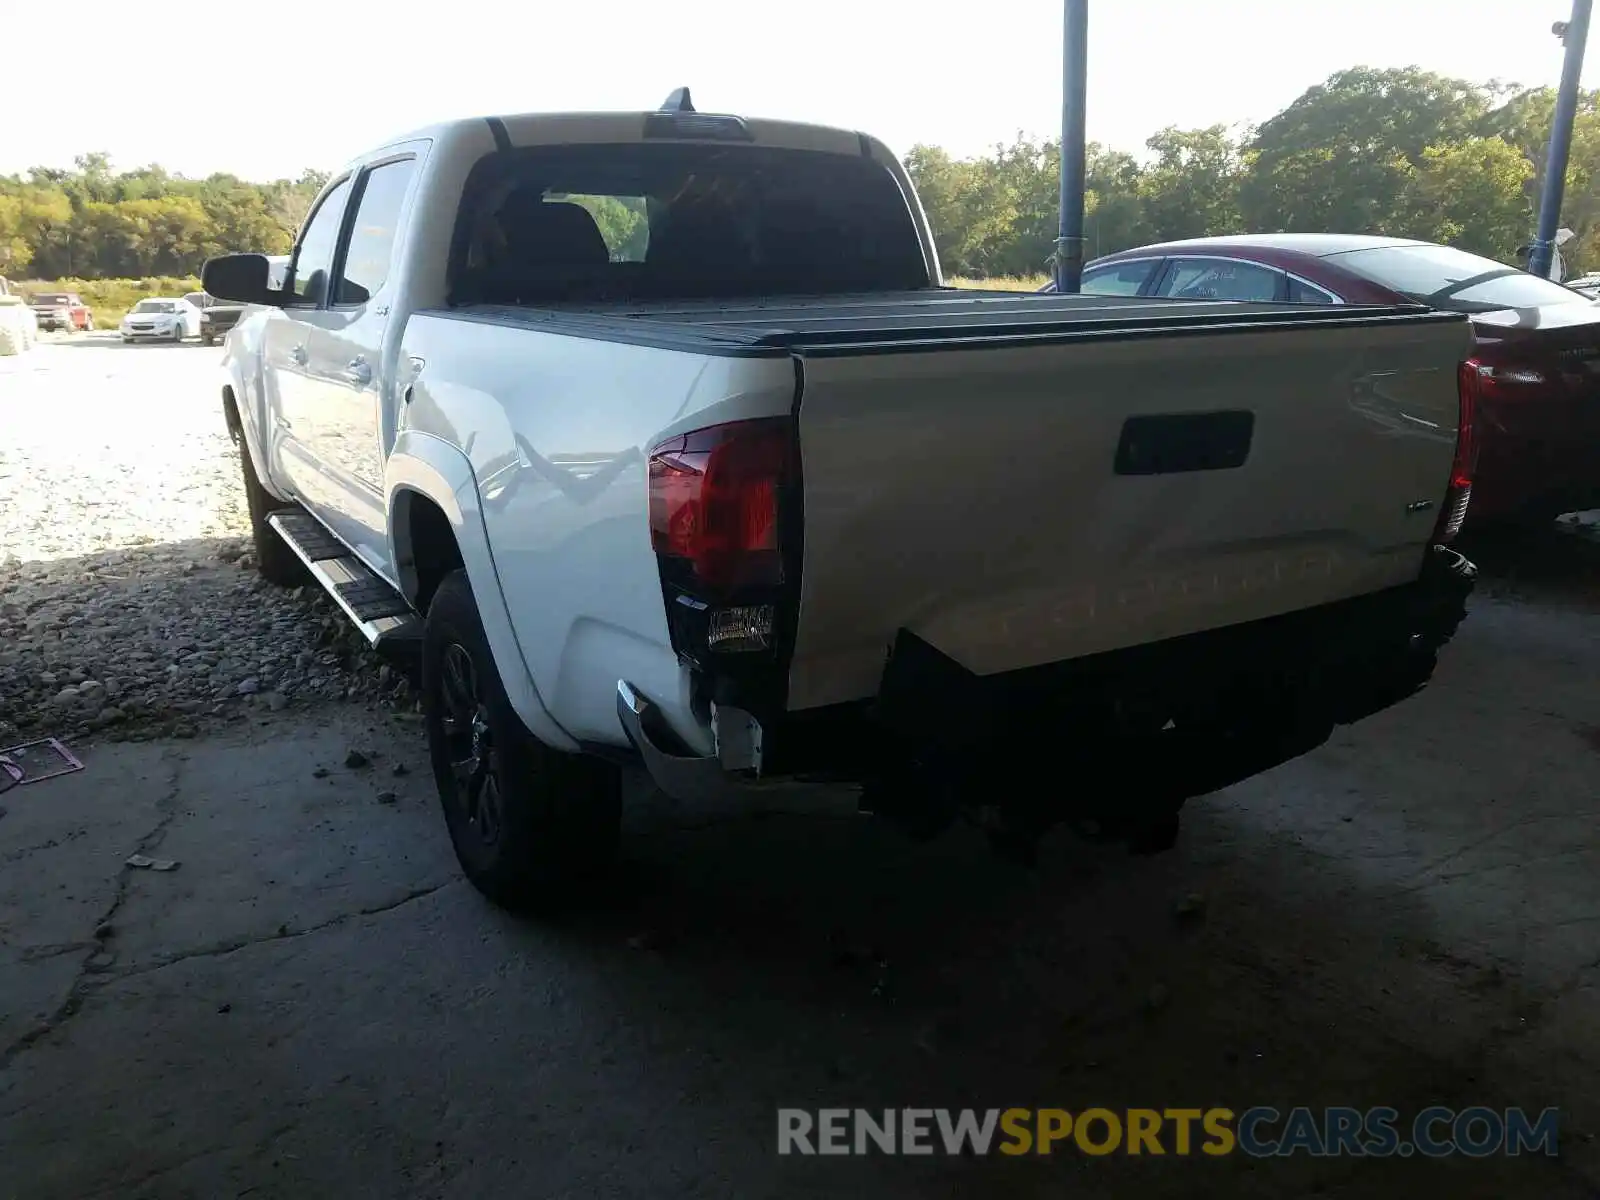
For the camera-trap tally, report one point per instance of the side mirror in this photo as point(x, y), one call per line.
point(241, 278)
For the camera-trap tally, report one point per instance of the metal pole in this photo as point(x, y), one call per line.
point(1574, 34)
point(1074, 81)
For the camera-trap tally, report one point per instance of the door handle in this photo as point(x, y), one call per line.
point(298, 356)
point(358, 372)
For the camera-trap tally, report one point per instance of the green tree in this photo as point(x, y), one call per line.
point(1113, 208)
point(1192, 189)
point(1339, 158)
point(1470, 194)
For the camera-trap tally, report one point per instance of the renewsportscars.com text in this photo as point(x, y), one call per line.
point(1260, 1132)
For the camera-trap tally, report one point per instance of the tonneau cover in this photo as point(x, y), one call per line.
point(933, 318)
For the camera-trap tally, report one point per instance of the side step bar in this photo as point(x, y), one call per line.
point(376, 609)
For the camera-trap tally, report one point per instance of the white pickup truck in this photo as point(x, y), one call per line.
point(659, 439)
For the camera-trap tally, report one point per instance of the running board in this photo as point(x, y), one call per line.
point(376, 609)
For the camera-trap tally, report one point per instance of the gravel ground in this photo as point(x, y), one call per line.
point(129, 602)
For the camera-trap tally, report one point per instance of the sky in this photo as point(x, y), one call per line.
point(232, 86)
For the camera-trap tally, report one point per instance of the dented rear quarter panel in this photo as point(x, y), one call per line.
point(559, 431)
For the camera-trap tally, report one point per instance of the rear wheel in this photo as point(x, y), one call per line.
point(274, 560)
point(530, 825)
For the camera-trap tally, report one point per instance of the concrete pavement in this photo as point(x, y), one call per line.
point(312, 1003)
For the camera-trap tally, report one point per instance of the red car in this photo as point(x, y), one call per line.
point(61, 310)
point(1536, 363)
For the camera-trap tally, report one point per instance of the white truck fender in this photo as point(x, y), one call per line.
point(424, 465)
point(249, 407)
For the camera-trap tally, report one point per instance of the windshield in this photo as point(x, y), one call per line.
point(51, 298)
point(155, 306)
point(1453, 279)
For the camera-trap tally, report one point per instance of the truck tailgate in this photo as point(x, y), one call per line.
point(1034, 500)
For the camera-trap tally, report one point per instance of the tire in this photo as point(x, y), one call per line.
point(531, 826)
point(207, 339)
point(275, 562)
point(177, 334)
point(88, 325)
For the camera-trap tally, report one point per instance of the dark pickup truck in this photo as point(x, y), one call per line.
point(216, 316)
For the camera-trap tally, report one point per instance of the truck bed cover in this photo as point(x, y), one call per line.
point(932, 319)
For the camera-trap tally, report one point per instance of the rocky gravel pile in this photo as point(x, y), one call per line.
point(130, 606)
point(166, 639)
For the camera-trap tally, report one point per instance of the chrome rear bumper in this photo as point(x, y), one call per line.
point(728, 780)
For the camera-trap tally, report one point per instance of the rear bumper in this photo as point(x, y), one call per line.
point(728, 780)
point(1172, 719)
point(681, 776)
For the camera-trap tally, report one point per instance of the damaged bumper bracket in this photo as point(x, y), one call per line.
point(728, 780)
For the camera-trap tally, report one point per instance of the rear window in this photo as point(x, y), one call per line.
point(547, 225)
point(155, 306)
point(1453, 279)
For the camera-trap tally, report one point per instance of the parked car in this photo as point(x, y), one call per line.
point(62, 310)
point(19, 327)
point(1535, 365)
point(161, 320)
point(216, 316)
point(755, 498)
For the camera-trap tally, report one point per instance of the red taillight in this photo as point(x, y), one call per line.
point(714, 501)
point(1469, 387)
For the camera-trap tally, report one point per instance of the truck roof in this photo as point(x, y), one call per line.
point(536, 129)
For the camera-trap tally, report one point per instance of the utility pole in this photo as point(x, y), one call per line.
point(1573, 34)
point(1068, 260)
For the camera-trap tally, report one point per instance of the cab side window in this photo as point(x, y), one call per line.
point(313, 257)
point(372, 234)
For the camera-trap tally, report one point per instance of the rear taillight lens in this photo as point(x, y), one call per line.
point(1470, 378)
point(714, 501)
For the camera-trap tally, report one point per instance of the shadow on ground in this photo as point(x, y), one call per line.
point(1559, 562)
point(314, 1004)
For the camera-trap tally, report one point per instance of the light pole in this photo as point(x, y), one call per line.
point(1573, 33)
point(1068, 261)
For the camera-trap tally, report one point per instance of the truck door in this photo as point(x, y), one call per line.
point(348, 385)
point(286, 351)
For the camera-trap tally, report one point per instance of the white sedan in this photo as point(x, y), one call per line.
point(161, 320)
